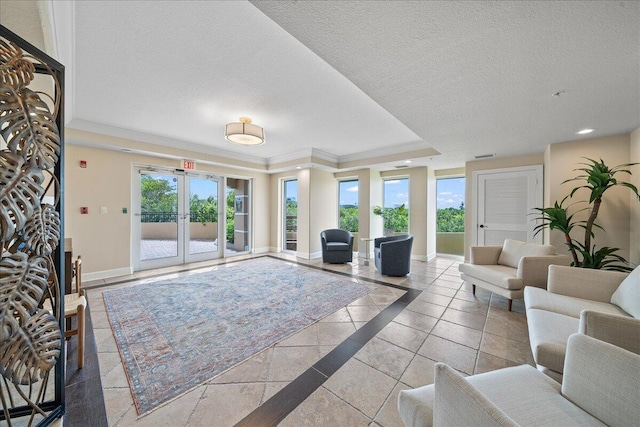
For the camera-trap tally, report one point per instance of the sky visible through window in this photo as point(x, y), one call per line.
point(450, 192)
point(348, 193)
point(396, 193)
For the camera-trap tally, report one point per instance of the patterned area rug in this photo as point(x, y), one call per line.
point(176, 334)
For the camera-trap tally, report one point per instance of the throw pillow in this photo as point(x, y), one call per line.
point(627, 296)
point(513, 250)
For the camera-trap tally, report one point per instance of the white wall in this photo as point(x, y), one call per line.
point(614, 214)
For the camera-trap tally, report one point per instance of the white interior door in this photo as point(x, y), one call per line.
point(505, 201)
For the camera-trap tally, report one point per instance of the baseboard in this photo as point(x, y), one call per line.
point(315, 255)
point(264, 250)
point(419, 258)
point(106, 274)
point(431, 256)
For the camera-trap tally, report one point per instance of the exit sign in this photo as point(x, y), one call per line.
point(188, 164)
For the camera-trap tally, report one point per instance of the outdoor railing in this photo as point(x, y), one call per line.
point(173, 216)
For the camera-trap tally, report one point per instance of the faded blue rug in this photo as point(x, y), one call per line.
point(176, 334)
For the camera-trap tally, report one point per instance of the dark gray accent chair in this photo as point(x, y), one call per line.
point(392, 254)
point(337, 246)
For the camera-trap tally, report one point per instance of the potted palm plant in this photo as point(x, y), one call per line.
point(595, 177)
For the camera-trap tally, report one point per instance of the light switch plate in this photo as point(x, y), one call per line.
point(103, 209)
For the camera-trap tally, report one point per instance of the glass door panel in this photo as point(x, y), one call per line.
point(237, 228)
point(203, 219)
point(160, 221)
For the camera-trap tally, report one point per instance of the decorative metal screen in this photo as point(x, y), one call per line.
point(31, 230)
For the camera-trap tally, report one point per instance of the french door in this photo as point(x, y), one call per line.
point(177, 218)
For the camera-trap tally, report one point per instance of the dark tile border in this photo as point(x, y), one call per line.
point(84, 397)
point(279, 406)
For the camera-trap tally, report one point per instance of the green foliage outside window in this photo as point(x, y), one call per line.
point(395, 219)
point(450, 220)
point(158, 195)
point(231, 212)
point(349, 218)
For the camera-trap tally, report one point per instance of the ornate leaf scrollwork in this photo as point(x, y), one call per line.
point(32, 351)
point(42, 231)
point(30, 338)
point(28, 127)
point(14, 69)
point(20, 192)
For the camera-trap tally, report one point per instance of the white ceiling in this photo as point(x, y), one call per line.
point(353, 80)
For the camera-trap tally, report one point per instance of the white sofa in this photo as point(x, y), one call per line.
point(600, 388)
point(554, 314)
point(507, 269)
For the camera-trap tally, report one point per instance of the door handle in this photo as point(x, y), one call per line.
point(482, 226)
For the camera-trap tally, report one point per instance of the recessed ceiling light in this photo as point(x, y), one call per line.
point(585, 131)
point(407, 161)
point(298, 167)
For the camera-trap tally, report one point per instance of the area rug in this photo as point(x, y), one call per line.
point(178, 333)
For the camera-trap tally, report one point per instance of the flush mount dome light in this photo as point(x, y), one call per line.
point(244, 132)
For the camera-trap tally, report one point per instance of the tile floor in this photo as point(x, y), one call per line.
point(445, 322)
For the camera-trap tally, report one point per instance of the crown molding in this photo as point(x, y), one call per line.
point(85, 125)
point(391, 150)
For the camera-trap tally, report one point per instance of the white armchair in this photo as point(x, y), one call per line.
point(600, 387)
point(506, 270)
point(599, 302)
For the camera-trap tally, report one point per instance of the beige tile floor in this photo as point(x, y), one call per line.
point(445, 323)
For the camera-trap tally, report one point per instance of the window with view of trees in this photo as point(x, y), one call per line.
point(348, 205)
point(450, 205)
point(395, 209)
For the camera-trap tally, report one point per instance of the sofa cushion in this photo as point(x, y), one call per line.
point(524, 394)
point(627, 296)
point(499, 275)
point(548, 334)
point(571, 306)
point(338, 246)
point(513, 250)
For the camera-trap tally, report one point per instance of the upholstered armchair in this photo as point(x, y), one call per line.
point(600, 387)
point(392, 254)
point(507, 269)
point(337, 246)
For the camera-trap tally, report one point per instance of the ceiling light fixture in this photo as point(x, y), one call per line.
point(244, 132)
point(585, 131)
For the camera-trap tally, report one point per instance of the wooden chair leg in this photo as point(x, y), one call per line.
point(80, 337)
point(510, 302)
point(473, 289)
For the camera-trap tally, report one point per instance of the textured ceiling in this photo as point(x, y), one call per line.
point(477, 77)
point(349, 80)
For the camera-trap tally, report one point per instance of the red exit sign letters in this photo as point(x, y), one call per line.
point(188, 164)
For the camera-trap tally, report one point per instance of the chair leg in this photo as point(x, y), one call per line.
point(510, 302)
point(473, 289)
point(80, 337)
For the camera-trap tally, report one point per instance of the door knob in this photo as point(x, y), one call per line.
point(481, 225)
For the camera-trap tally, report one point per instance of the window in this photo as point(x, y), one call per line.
point(450, 205)
point(450, 216)
point(290, 213)
point(348, 205)
point(395, 210)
